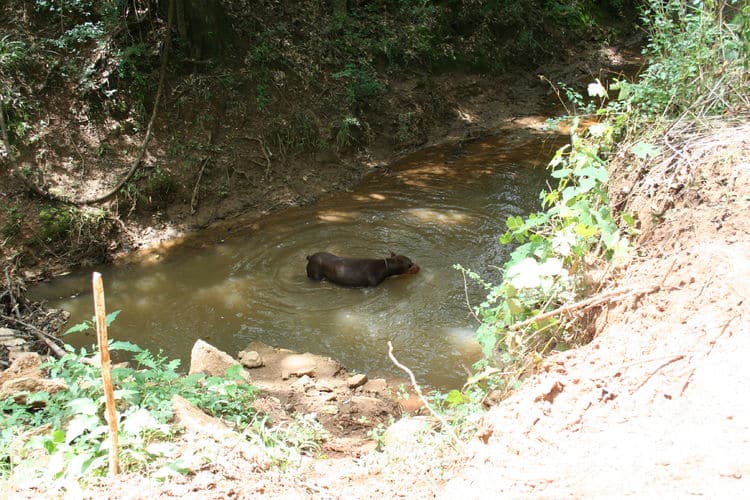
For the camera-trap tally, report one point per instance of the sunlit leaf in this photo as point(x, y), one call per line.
point(112, 316)
point(456, 397)
point(84, 406)
point(596, 89)
point(79, 425)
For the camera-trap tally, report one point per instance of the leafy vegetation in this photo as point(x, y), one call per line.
point(697, 62)
point(153, 188)
point(558, 247)
point(64, 229)
point(69, 427)
point(697, 67)
point(11, 227)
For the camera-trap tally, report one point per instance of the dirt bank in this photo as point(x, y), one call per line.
point(653, 405)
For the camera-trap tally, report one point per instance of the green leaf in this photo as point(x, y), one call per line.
point(112, 316)
point(456, 397)
point(515, 306)
point(80, 327)
point(122, 345)
point(58, 436)
point(595, 172)
point(125, 393)
point(235, 372)
point(562, 172)
point(585, 231)
point(80, 425)
point(645, 150)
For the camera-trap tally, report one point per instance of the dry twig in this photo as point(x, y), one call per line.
point(668, 362)
point(585, 304)
point(418, 390)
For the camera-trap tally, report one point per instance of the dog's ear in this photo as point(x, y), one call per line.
point(393, 254)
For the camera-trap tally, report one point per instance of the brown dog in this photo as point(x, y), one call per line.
point(357, 272)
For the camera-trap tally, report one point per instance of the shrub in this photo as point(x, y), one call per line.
point(154, 188)
point(362, 84)
point(697, 62)
point(70, 428)
point(558, 246)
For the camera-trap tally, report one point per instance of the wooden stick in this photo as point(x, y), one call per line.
point(101, 337)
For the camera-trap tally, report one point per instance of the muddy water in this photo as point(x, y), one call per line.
point(441, 206)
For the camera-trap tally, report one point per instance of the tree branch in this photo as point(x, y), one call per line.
point(584, 304)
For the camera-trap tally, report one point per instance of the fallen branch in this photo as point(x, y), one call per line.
point(584, 304)
point(418, 390)
point(200, 174)
point(197, 184)
point(466, 294)
point(40, 334)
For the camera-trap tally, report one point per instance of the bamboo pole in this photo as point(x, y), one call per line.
point(101, 337)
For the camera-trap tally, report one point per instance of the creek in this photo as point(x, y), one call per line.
point(246, 281)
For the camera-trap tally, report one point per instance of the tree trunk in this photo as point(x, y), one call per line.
point(205, 27)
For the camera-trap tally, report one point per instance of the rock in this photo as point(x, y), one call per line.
point(270, 406)
point(296, 365)
point(411, 404)
point(303, 383)
point(367, 408)
point(25, 376)
point(406, 432)
point(193, 419)
point(250, 359)
point(26, 364)
point(495, 397)
point(550, 391)
point(376, 386)
point(13, 341)
point(324, 386)
point(330, 410)
point(7, 332)
point(327, 396)
point(24, 385)
point(205, 358)
point(356, 380)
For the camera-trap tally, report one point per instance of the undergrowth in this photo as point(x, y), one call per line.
point(64, 434)
point(698, 53)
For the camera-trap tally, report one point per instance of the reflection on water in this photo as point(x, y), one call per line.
point(439, 207)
